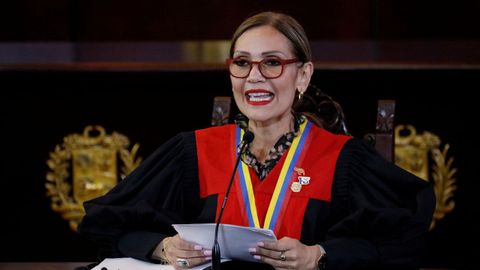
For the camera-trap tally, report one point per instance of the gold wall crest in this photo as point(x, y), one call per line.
point(84, 167)
point(413, 152)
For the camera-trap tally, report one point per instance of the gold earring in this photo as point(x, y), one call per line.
point(300, 95)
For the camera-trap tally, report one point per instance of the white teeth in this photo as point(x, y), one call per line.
point(258, 94)
point(257, 97)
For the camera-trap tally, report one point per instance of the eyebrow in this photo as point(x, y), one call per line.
point(263, 54)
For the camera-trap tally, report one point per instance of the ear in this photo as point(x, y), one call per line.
point(304, 75)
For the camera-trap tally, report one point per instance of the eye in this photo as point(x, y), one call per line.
point(272, 62)
point(241, 62)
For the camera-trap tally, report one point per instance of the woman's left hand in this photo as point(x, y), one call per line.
point(287, 253)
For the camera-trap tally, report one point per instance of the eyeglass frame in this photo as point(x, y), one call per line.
point(283, 62)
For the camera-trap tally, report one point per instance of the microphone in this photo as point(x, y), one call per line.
point(247, 138)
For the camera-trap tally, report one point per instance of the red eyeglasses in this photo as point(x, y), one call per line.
point(270, 68)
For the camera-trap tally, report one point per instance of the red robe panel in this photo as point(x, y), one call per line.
point(318, 160)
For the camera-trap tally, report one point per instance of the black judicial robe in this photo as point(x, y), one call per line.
point(375, 216)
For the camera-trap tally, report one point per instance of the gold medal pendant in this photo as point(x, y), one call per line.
point(296, 187)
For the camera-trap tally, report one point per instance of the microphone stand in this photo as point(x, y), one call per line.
point(216, 256)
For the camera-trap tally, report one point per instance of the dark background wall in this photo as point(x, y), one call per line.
point(90, 20)
point(423, 54)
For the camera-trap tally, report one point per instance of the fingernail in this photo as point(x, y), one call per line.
point(252, 250)
point(207, 252)
point(256, 257)
point(198, 247)
point(260, 244)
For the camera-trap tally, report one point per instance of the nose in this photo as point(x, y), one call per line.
point(255, 75)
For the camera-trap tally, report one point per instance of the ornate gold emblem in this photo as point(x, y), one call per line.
point(412, 153)
point(88, 163)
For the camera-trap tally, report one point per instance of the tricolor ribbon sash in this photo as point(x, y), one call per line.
point(283, 181)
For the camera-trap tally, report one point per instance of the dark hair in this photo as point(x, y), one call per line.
point(321, 109)
point(286, 25)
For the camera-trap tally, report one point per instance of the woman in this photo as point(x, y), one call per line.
point(341, 200)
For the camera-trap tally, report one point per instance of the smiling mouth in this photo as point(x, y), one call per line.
point(259, 97)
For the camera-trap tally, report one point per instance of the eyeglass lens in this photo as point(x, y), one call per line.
point(269, 68)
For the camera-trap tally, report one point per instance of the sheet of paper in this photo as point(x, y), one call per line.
point(130, 263)
point(234, 240)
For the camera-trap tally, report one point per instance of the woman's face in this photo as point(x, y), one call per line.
point(259, 98)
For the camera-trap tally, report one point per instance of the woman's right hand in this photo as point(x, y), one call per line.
point(182, 254)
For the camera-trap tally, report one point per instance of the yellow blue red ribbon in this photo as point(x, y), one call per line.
point(281, 187)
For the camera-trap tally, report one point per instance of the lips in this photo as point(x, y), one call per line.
point(258, 97)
